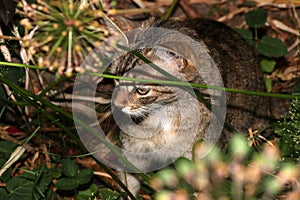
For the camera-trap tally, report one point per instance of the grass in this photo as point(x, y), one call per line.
point(49, 161)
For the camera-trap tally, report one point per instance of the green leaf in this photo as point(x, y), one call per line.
point(55, 157)
point(246, 35)
point(41, 178)
point(20, 188)
point(247, 4)
point(7, 174)
point(14, 74)
point(268, 84)
point(168, 177)
point(89, 193)
point(3, 194)
point(224, 188)
point(239, 145)
point(84, 176)
point(297, 86)
point(107, 194)
point(267, 65)
point(43, 183)
point(2, 96)
point(163, 194)
point(272, 185)
point(55, 172)
point(29, 175)
point(256, 18)
point(286, 145)
point(69, 167)
point(184, 166)
point(271, 47)
point(67, 184)
point(6, 148)
point(51, 195)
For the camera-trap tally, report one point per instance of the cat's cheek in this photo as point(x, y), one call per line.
point(126, 110)
point(130, 111)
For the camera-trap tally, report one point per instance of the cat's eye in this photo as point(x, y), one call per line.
point(142, 90)
point(173, 54)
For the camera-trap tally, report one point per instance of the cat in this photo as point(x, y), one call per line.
point(161, 122)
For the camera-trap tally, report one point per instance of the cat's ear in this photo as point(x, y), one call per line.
point(118, 25)
point(186, 68)
point(122, 24)
point(125, 24)
point(116, 82)
point(179, 62)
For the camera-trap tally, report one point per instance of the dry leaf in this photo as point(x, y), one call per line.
point(284, 27)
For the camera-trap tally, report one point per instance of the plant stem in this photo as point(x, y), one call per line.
point(197, 85)
point(177, 83)
point(21, 65)
point(171, 9)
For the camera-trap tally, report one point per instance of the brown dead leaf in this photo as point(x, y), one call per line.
point(188, 10)
point(289, 73)
point(280, 25)
point(279, 3)
point(232, 14)
point(295, 2)
point(206, 2)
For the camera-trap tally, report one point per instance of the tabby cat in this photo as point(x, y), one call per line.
point(160, 122)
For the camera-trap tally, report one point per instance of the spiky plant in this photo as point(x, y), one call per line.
point(288, 130)
point(59, 34)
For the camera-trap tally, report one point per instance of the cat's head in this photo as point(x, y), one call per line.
point(157, 44)
point(177, 54)
point(138, 99)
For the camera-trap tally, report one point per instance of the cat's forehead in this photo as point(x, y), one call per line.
point(131, 85)
point(144, 71)
point(127, 84)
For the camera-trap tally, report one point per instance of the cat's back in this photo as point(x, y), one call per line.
point(233, 56)
point(238, 66)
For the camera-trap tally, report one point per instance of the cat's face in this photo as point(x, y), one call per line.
point(139, 99)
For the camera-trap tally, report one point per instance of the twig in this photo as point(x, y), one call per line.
point(102, 174)
point(12, 159)
point(6, 37)
point(232, 14)
point(284, 27)
point(139, 3)
point(132, 11)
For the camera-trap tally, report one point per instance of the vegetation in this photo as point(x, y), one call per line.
point(41, 157)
